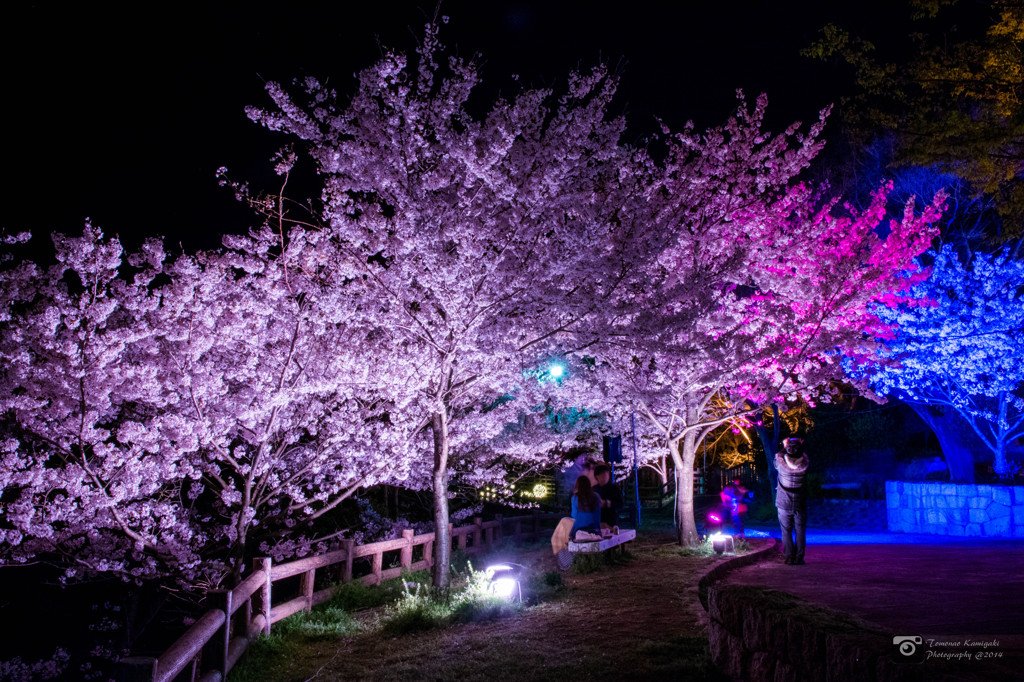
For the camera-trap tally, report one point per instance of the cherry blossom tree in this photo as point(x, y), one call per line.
point(90, 469)
point(742, 287)
point(262, 350)
point(472, 234)
point(961, 350)
point(160, 413)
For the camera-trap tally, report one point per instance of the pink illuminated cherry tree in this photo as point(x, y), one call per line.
point(742, 287)
point(472, 235)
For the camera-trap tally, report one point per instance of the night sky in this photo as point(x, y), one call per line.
point(122, 112)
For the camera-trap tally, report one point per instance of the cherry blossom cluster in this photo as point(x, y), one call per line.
point(960, 347)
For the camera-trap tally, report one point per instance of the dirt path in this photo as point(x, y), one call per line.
point(639, 620)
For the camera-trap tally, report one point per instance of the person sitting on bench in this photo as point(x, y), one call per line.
point(611, 496)
point(586, 507)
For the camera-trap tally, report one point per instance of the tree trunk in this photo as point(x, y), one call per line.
point(662, 470)
point(236, 553)
point(999, 438)
point(957, 439)
point(683, 453)
point(770, 443)
point(442, 538)
point(237, 560)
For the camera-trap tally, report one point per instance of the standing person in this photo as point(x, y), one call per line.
point(586, 507)
point(611, 496)
point(791, 499)
point(734, 497)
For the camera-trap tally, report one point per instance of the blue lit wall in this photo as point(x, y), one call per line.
point(955, 509)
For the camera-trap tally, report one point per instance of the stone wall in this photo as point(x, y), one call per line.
point(955, 509)
point(761, 635)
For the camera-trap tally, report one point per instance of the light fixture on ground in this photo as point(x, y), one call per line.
point(505, 580)
point(721, 542)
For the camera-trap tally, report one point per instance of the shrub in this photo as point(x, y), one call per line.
point(415, 611)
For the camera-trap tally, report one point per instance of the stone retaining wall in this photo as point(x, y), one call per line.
point(762, 635)
point(955, 509)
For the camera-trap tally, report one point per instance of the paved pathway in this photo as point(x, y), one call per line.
point(946, 589)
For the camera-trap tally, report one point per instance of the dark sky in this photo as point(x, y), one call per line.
point(123, 111)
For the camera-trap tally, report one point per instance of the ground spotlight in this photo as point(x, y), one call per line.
point(505, 580)
point(721, 542)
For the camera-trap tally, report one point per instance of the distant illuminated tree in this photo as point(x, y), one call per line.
point(962, 351)
point(956, 104)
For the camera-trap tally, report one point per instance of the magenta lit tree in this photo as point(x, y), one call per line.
point(472, 235)
point(743, 288)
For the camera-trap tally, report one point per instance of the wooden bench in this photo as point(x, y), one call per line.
point(623, 537)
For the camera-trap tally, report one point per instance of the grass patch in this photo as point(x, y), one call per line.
point(417, 610)
point(357, 595)
point(328, 621)
point(271, 652)
point(678, 658)
point(406, 605)
point(263, 656)
point(470, 600)
point(705, 549)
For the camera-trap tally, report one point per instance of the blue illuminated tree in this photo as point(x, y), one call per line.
point(962, 350)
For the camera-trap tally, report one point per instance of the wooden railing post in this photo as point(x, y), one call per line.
point(428, 552)
point(243, 618)
point(478, 535)
point(499, 532)
point(306, 587)
point(263, 602)
point(349, 546)
point(216, 650)
point(536, 523)
point(137, 669)
point(519, 530)
point(462, 537)
point(407, 550)
point(378, 566)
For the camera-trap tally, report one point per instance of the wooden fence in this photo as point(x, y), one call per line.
point(215, 642)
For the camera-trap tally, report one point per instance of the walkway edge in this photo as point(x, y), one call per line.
point(719, 571)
